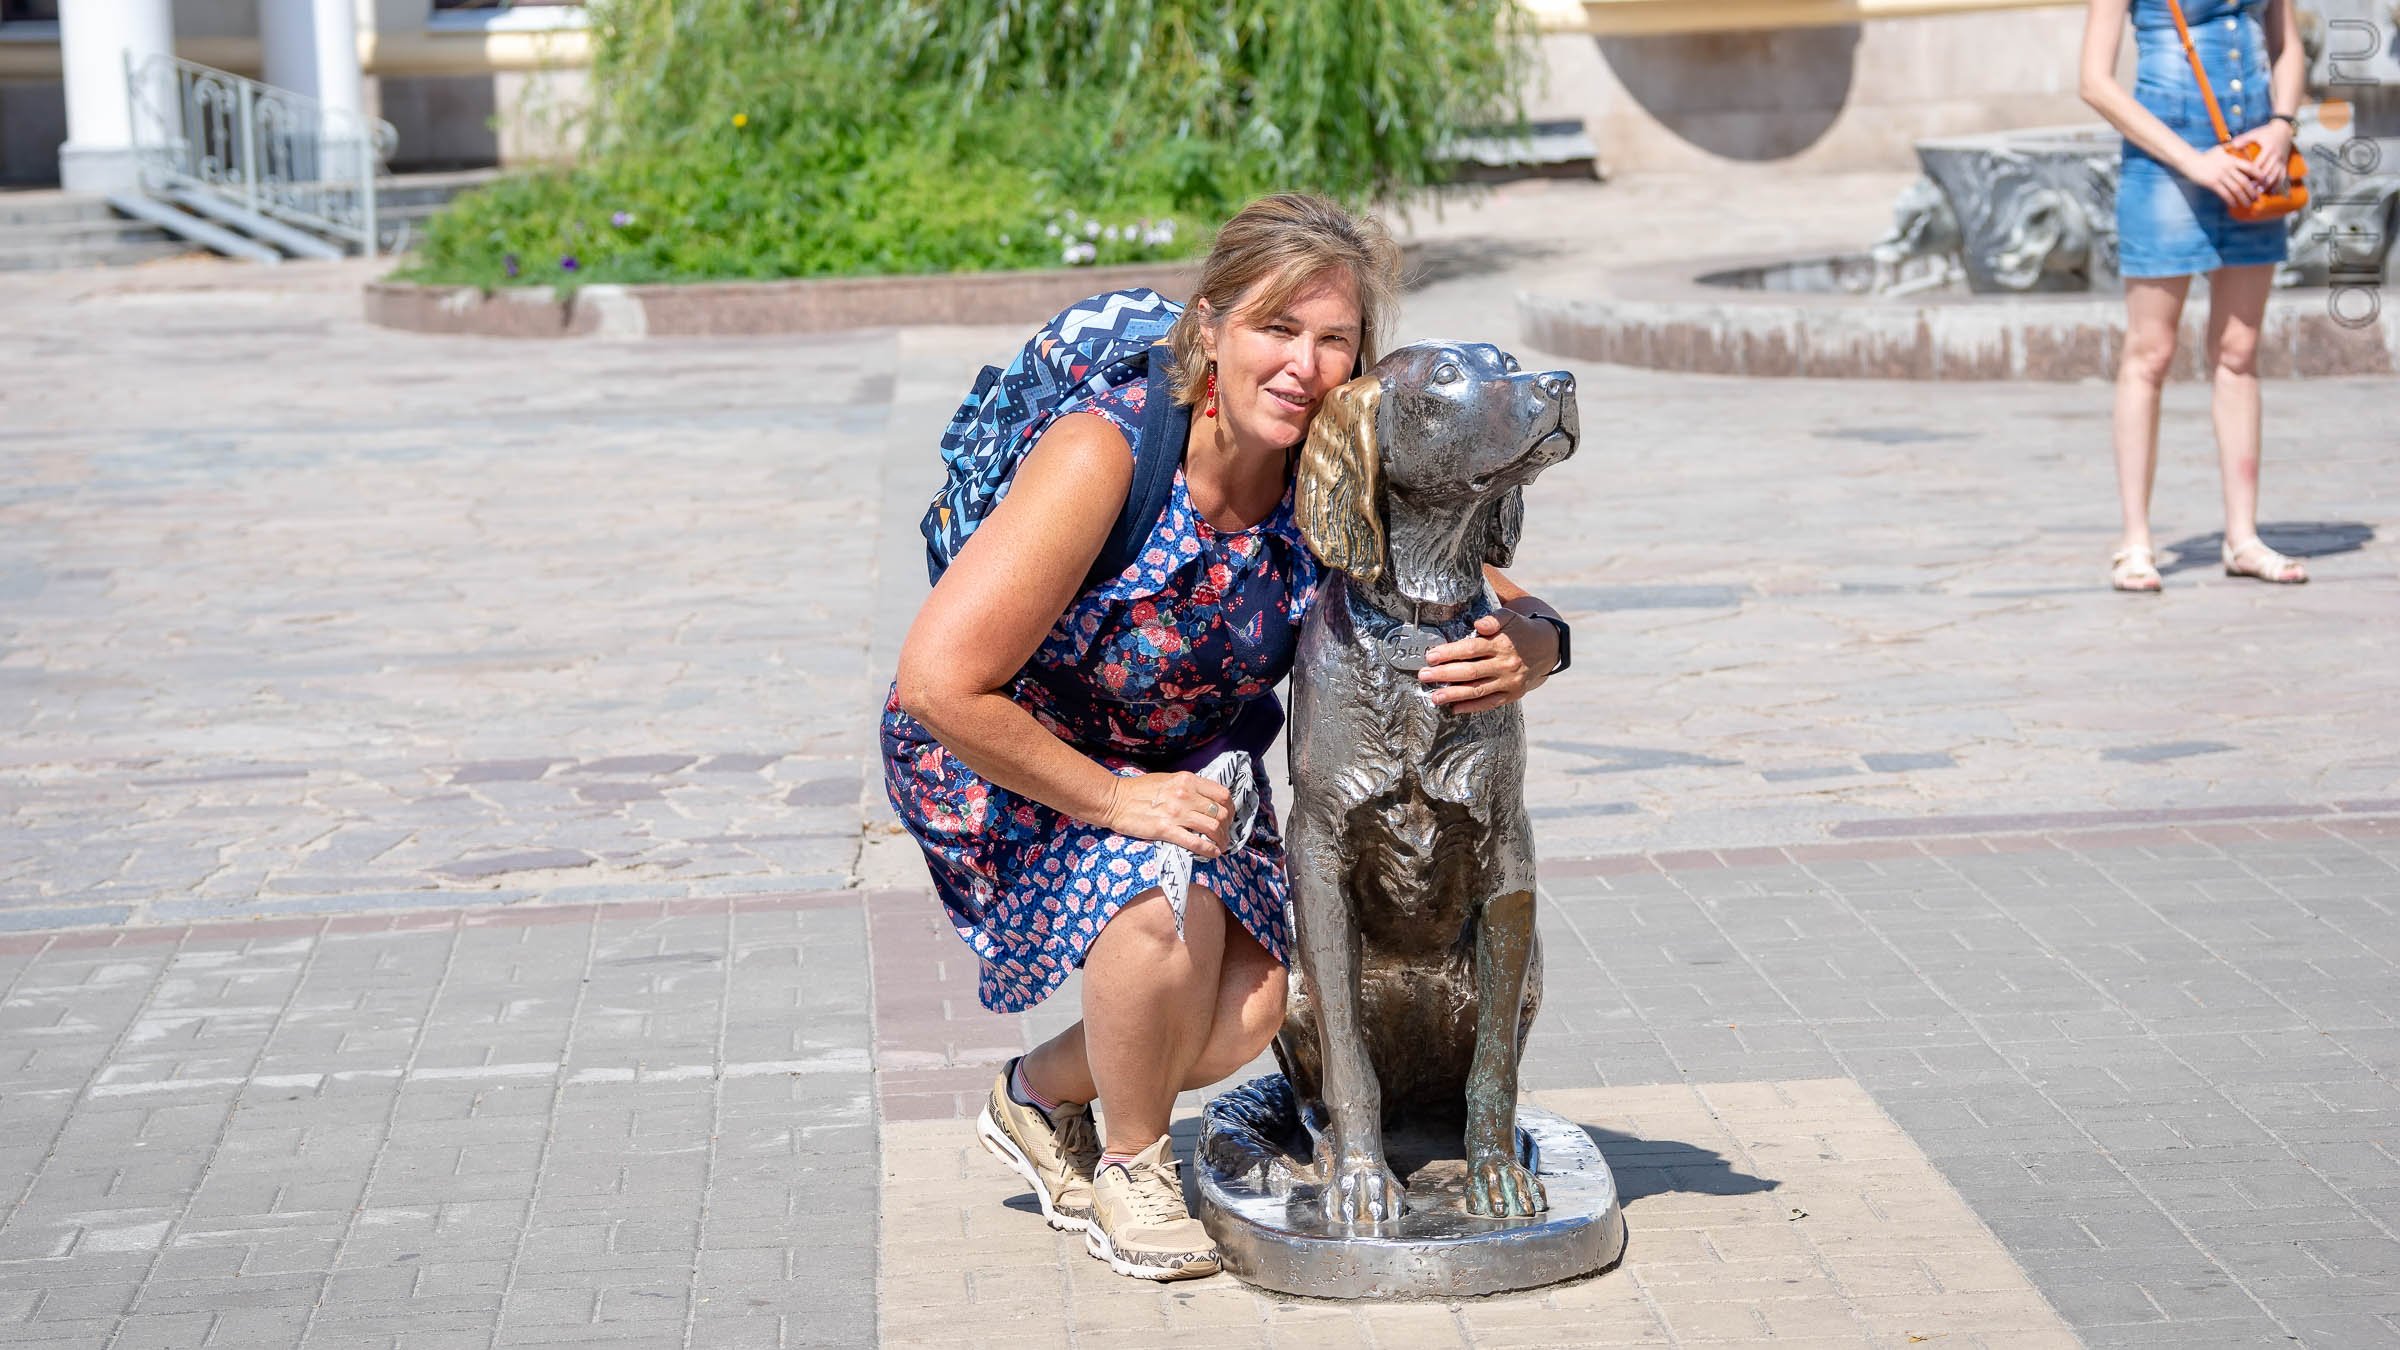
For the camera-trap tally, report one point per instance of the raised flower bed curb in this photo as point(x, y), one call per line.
point(752, 308)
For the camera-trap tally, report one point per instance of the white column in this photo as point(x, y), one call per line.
point(96, 40)
point(311, 47)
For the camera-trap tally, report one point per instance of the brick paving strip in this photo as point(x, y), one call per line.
point(442, 1129)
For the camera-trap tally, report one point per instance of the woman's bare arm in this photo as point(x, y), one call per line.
point(2096, 83)
point(2287, 56)
point(1001, 595)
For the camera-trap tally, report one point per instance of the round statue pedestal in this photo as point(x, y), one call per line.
point(1259, 1182)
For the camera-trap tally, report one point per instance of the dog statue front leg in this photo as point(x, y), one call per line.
point(1359, 1185)
point(1497, 1183)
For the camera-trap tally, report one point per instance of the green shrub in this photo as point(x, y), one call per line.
point(740, 139)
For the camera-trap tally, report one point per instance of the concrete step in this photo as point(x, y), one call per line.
point(44, 229)
point(47, 228)
point(406, 201)
point(105, 229)
point(16, 257)
point(44, 207)
point(428, 189)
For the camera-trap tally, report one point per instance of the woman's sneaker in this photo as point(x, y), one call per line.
point(1053, 1150)
point(1139, 1223)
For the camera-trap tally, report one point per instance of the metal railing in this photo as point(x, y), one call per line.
point(269, 151)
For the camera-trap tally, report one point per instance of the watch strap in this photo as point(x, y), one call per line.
point(1566, 653)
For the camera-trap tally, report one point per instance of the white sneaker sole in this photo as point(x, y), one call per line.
point(1095, 1241)
point(997, 1143)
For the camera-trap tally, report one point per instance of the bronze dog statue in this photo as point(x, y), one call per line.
point(1411, 853)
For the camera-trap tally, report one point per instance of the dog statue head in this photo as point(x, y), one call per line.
point(1415, 472)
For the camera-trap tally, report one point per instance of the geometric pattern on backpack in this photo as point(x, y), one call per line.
point(1088, 349)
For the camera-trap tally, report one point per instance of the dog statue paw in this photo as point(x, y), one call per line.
point(1362, 1192)
point(1501, 1188)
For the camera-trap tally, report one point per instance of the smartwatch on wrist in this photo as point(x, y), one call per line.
point(1566, 643)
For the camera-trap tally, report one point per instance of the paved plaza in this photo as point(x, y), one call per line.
point(446, 897)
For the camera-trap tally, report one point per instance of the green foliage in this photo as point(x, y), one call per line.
point(743, 138)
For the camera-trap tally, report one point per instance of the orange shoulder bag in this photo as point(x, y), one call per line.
point(2269, 205)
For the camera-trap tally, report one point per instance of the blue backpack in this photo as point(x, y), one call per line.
point(1093, 347)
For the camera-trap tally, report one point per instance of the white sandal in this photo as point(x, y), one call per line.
point(2265, 563)
point(2134, 569)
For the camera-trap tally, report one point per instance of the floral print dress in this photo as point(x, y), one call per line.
point(1151, 664)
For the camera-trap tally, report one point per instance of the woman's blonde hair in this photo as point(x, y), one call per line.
point(1279, 245)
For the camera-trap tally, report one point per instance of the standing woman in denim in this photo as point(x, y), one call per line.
point(2172, 222)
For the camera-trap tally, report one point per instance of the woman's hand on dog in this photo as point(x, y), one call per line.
point(1495, 667)
point(1174, 808)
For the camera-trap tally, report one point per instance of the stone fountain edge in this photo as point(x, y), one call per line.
point(1659, 317)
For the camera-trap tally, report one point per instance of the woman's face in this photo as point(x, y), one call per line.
point(1275, 367)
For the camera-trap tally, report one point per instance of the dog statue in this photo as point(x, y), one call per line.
point(1411, 853)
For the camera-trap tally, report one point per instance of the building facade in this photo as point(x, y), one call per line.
point(1813, 85)
point(467, 83)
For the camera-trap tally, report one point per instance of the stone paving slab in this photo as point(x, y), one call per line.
point(446, 608)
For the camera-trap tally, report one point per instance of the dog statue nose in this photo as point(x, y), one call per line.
point(1557, 383)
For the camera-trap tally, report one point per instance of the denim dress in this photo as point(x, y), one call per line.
point(2167, 225)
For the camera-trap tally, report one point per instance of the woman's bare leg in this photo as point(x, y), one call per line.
point(2153, 308)
point(1149, 1001)
point(2237, 304)
point(1235, 1021)
point(1250, 997)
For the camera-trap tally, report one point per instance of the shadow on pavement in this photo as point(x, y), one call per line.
point(2299, 538)
point(1660, 1166)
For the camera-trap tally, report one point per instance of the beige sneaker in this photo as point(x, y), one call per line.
point(1053, 1151)
point(1139, 1223)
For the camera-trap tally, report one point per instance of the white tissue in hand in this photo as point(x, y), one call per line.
point(1232, 772)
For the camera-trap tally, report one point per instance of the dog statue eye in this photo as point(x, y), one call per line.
point(1445, 373)
point(1509, 363)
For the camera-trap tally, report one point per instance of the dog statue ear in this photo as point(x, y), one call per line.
point(1508, 521)
point(1338, 499)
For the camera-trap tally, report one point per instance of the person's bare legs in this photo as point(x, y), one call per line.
point(1151, 1026)
point(2153, 308)
point(2237, 305)
point(1250, 996)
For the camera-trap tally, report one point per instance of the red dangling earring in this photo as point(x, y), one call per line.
point(1211, 409)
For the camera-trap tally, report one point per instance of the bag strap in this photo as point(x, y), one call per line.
point(1158, 452)
point(2214, 116)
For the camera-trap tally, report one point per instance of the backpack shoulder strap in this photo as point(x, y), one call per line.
point(1166, 425)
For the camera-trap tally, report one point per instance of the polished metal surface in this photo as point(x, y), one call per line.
point(1417, 969)
point(1259, 1186)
